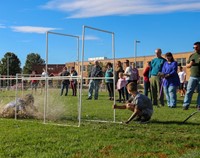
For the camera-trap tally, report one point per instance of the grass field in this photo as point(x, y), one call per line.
point(163, 137)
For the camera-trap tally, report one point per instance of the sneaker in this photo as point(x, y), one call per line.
point(89, 98)
point(95, 98)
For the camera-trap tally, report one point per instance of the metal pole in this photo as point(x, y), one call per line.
point(135, 43)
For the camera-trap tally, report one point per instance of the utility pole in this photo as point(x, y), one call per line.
point(135, 43)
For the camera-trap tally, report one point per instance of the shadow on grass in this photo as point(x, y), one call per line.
point(174, 122)
point(181, 101)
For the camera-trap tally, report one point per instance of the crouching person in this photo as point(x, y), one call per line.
point(139, 104)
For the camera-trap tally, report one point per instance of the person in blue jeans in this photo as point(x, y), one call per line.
point(94, 83)
point(170, 80)
point(194, 81)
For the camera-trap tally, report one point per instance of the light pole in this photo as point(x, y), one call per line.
point(135, 43)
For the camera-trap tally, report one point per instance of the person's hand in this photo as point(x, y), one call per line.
point(114, 106)
point(160, 74)
point(167, 75)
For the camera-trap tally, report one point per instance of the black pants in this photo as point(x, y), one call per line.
point(110, 89)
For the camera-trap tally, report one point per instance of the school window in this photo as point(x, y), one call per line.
point(139, 64)
point(84, 68)
point(181, 61)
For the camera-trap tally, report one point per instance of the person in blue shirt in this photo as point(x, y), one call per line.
point(170, 80)
point(109, 80)
point(155, 79)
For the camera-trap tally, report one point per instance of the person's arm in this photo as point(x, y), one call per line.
point(135, 113)
point(146, 71)
point(184, 77)
point(190, 64)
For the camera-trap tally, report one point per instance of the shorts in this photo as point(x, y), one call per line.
point(147, 113)
point(181, 86)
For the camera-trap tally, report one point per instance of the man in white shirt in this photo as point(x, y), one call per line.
point(129, 76)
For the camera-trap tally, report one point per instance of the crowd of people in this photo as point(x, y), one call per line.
point(162, 76)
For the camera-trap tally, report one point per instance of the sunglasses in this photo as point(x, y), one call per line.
point(195, 47)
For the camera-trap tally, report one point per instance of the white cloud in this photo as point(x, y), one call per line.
point(32, 29)
point(2, 26)
point(95, 8)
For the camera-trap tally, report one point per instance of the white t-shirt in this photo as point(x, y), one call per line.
point(129, 71)
point(182, 75)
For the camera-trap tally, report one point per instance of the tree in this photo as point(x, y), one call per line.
point(32, 59)
point(10, 64)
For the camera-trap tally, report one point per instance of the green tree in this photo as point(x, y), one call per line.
point(10, 64)
point(32, 59)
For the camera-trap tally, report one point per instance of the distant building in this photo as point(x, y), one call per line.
point(97, 58)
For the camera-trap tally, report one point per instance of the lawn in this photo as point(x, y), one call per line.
point(163, 137)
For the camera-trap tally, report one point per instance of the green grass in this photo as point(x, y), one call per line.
point(163, 137)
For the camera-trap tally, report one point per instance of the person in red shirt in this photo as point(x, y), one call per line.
point(146, 79)
point(34, 82)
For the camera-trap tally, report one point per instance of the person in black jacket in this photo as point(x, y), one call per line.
point(65, 82)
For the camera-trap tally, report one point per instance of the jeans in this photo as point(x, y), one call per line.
point(73, 85)
point(170, 93)
point(192, 84)
point(93, 84)
point(64, 86)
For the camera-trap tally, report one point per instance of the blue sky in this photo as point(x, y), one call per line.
point(171, 25)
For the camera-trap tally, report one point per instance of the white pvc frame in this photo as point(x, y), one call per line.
point(47, 78)
point(82, 61)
